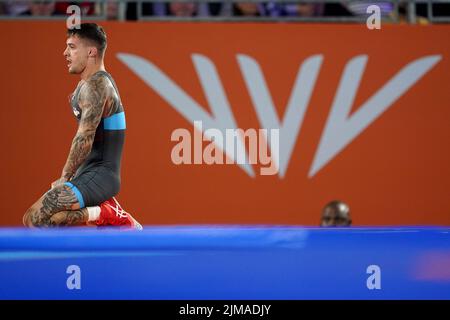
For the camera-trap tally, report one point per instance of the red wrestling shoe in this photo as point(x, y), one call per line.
point(112, 214)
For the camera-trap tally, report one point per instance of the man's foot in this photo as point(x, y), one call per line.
point(112, 214)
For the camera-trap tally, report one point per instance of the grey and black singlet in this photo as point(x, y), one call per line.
point(98, 178)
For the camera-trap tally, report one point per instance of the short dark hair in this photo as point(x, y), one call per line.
point(92, 32)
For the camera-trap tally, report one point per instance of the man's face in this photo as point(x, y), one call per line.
point(76, 54)
point(332, 218)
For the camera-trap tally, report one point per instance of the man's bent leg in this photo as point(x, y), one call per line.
point(70, 218)
point(58, 207)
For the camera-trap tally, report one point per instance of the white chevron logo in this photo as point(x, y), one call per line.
point(340, 128)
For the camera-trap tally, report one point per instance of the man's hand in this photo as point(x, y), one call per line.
point(59, 182)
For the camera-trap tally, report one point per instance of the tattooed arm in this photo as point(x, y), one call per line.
point(92, 100)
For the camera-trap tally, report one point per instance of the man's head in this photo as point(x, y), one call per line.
point(336, 214)
point(84, 45)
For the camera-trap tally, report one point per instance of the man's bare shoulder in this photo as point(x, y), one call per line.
point(97, 84)
point(98, 89)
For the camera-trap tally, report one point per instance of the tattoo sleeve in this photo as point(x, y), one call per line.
point(93, 96)
point(58, 209)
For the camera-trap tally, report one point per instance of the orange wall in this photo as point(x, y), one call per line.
point(396, 171)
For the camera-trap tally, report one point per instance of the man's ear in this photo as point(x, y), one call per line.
point(92, 51)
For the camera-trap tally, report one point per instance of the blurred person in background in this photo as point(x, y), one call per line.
point(17, 8)
point(182, 9)
point(87, 8)
point(359, 8)
point(248, 9)
point(42, 8)
point(336, 214)
point(112, 10)
point(187, 9)
point(161, 9)
point(274, 9)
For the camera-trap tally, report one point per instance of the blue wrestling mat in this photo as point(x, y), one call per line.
point(226, 262)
